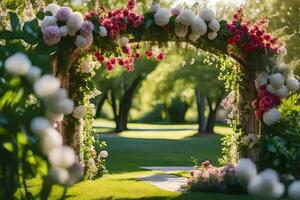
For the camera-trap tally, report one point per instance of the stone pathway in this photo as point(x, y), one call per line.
point(166, 181)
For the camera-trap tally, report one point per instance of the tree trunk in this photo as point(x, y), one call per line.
point(211, 120)
point(201, 110)
point(125, 105)
point(100, 104)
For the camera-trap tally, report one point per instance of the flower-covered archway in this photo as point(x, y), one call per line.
point(62, 40)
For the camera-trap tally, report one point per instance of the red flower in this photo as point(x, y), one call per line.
point(206, 163)
point(149, 54)
point(137, 55)
point(160, 56)
point(121, 62)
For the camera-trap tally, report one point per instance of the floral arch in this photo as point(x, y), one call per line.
point(60, 40)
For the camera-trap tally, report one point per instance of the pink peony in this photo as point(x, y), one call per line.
point(51, 35)
point(175, 11)
point(87, 28)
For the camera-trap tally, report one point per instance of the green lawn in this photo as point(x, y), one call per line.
point(146, 145)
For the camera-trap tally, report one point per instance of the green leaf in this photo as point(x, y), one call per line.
point(14, 21)
point(149, 23)
point(32, 32)
point(272, 148)
point(40, 15)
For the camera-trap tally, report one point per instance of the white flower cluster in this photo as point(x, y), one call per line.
point(266, 184)
point(70, 23)
point(249, 140)
point(279, 85)
point(47, 87)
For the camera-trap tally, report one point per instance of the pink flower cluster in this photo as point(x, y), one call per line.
point(264, 102)
point(251, 37)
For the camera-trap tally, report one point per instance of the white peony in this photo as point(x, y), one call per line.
point(124, 41)
point(277, 80)
point(46, 86)
point(194, 36)
point(54, 117)
point(207, 14)
point(271, 117)
point(50, 139)
point(283, 92)
point(53, 8)
point(74, 23)
point(270, 175)
point(63, 31)
point(63, 156)
point(58, 175)
point(155, 6)
point(294, 190)
point(186, 17)
point(162, 17)
point(102, 31)
point(212, 35)
point(65, 106)
point(103, 154)
point(214, 25)
point(271, 89)
point(79, 112)
point(17, 64)
point(84, 42)
point(261, 79)
point(199, 26)
point(48, 21)
point(181, 30)
point(246, 169)
point(34, 73)
point(292, 84)
point(39, 125)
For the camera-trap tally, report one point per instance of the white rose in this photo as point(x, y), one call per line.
point(292, 84)
point(277, 80)
point(102, 31)
point(124, 41)
point(63, 31)
point(214, 25)
point(283, 92)
point(63, 156)
point(180, 30)
point(79, 112)
point(64, 106)
point(186, 17)
point(155, 7)
point(271, 89)
point(47, 85)
point(74, 23)
point(207, 14)
point(294, 190)
point(162, 17)
point(271, 117)
point(261, 79)
point(50, 139)
point(17, 64)
point(53, 8)
point(212, 35)
point(194, 36)
point(48, 21)
point(104, 154)
point(54, 117)
point(199, 26)
point(34, 73)
point(58, 175)
point(246, 169)
point(39, 125)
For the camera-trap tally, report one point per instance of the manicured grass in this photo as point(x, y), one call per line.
point(146, 145)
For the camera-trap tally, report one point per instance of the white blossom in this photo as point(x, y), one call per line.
point(283, 92)
point(102, 31)
point(155, 6)
point(261, 79)
point(199, 26)
point(271, 117)
point(50, 139)
point(207, 14)
point(246, 169)
point(63, 31)
point(186, 17)
point(282, 51)
point(214, 25)
point(162, 17)
point(34, 73)
point(46, 86)
point(63, 156)
point(124, 41)
point(181, 30)
point(53, 8)
point(84, 42)
point(277, 80)
point(74, 23)
point(79, 112)
point(292, 84)
point(58, 175)
point(64, 13)
point(194, 36)
point(87, 67)
point(54, 117)
point(17, 64)
point(294, 190)
point(39, 125)
point(48, 21)
point(271, 89)
point(212, 35)
point(103, 154)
